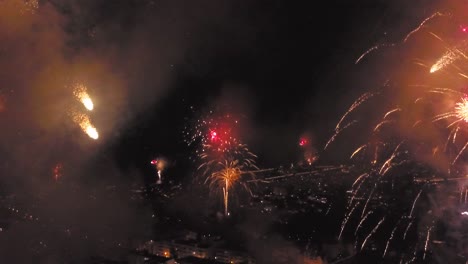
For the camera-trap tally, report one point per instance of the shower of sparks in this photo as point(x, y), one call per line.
point(85, 124)
point(448, 58)
point(218, 131)
point(225, 178)
point(80, 91)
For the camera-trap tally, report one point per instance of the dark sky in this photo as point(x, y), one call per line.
point(289, 65)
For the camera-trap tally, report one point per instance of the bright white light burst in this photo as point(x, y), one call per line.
point(461, 109)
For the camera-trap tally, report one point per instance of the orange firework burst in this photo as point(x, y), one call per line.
point(225, 178)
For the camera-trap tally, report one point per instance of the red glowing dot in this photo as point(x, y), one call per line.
point(214, 135)
point(154, 161)
point(302, 142)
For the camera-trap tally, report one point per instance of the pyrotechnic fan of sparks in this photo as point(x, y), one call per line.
point(223, 158)
point(80, 91)
point(388, 159)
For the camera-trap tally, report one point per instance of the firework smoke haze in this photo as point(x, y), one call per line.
point(126, 63)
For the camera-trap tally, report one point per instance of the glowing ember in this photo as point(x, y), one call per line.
point(57, 171)
point(81, 93)
point(303, 142)
point(465, 213)
point(461, 109)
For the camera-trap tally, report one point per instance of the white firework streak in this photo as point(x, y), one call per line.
point(358, 102)
point(372, 232)
point(338, 131)
point(368, 199)
point(407, 228)
point(427, 241)
point(390, 238)
point(419, 27)
point(346, 219)
point(414, 203)
point(362, 221)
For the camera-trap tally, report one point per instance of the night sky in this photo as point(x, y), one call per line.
point(289, 67)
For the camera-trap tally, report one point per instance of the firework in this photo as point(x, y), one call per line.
point(390, 238)
point(448, 58)
point(224, 161)
point(160, 165)
point(346, 219)
point(372, 232)
point(362, 221)
point(85, 124)
point(80, 91)
point(414, 203)
point(226, 177)
point(427, 241)
point(424, 129)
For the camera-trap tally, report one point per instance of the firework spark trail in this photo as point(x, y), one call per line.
point(466, 195)
point(357, 151)
point(365, 175)
point(359, 178)
point(391, 112)
point(372, 232)
point(390, 238)
point(387, 164)
point(363, 98)
point(414, 203)
point(448, 58)
point(436, 14)
point(440, 90)
point(455, 134)
point(407, 228)
point(346, 219)
point(427, 241)
point(377, 127)
point(368, 199)
point(376, 47)
point(362, 221)
point(459, 153)
point(338, 132)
